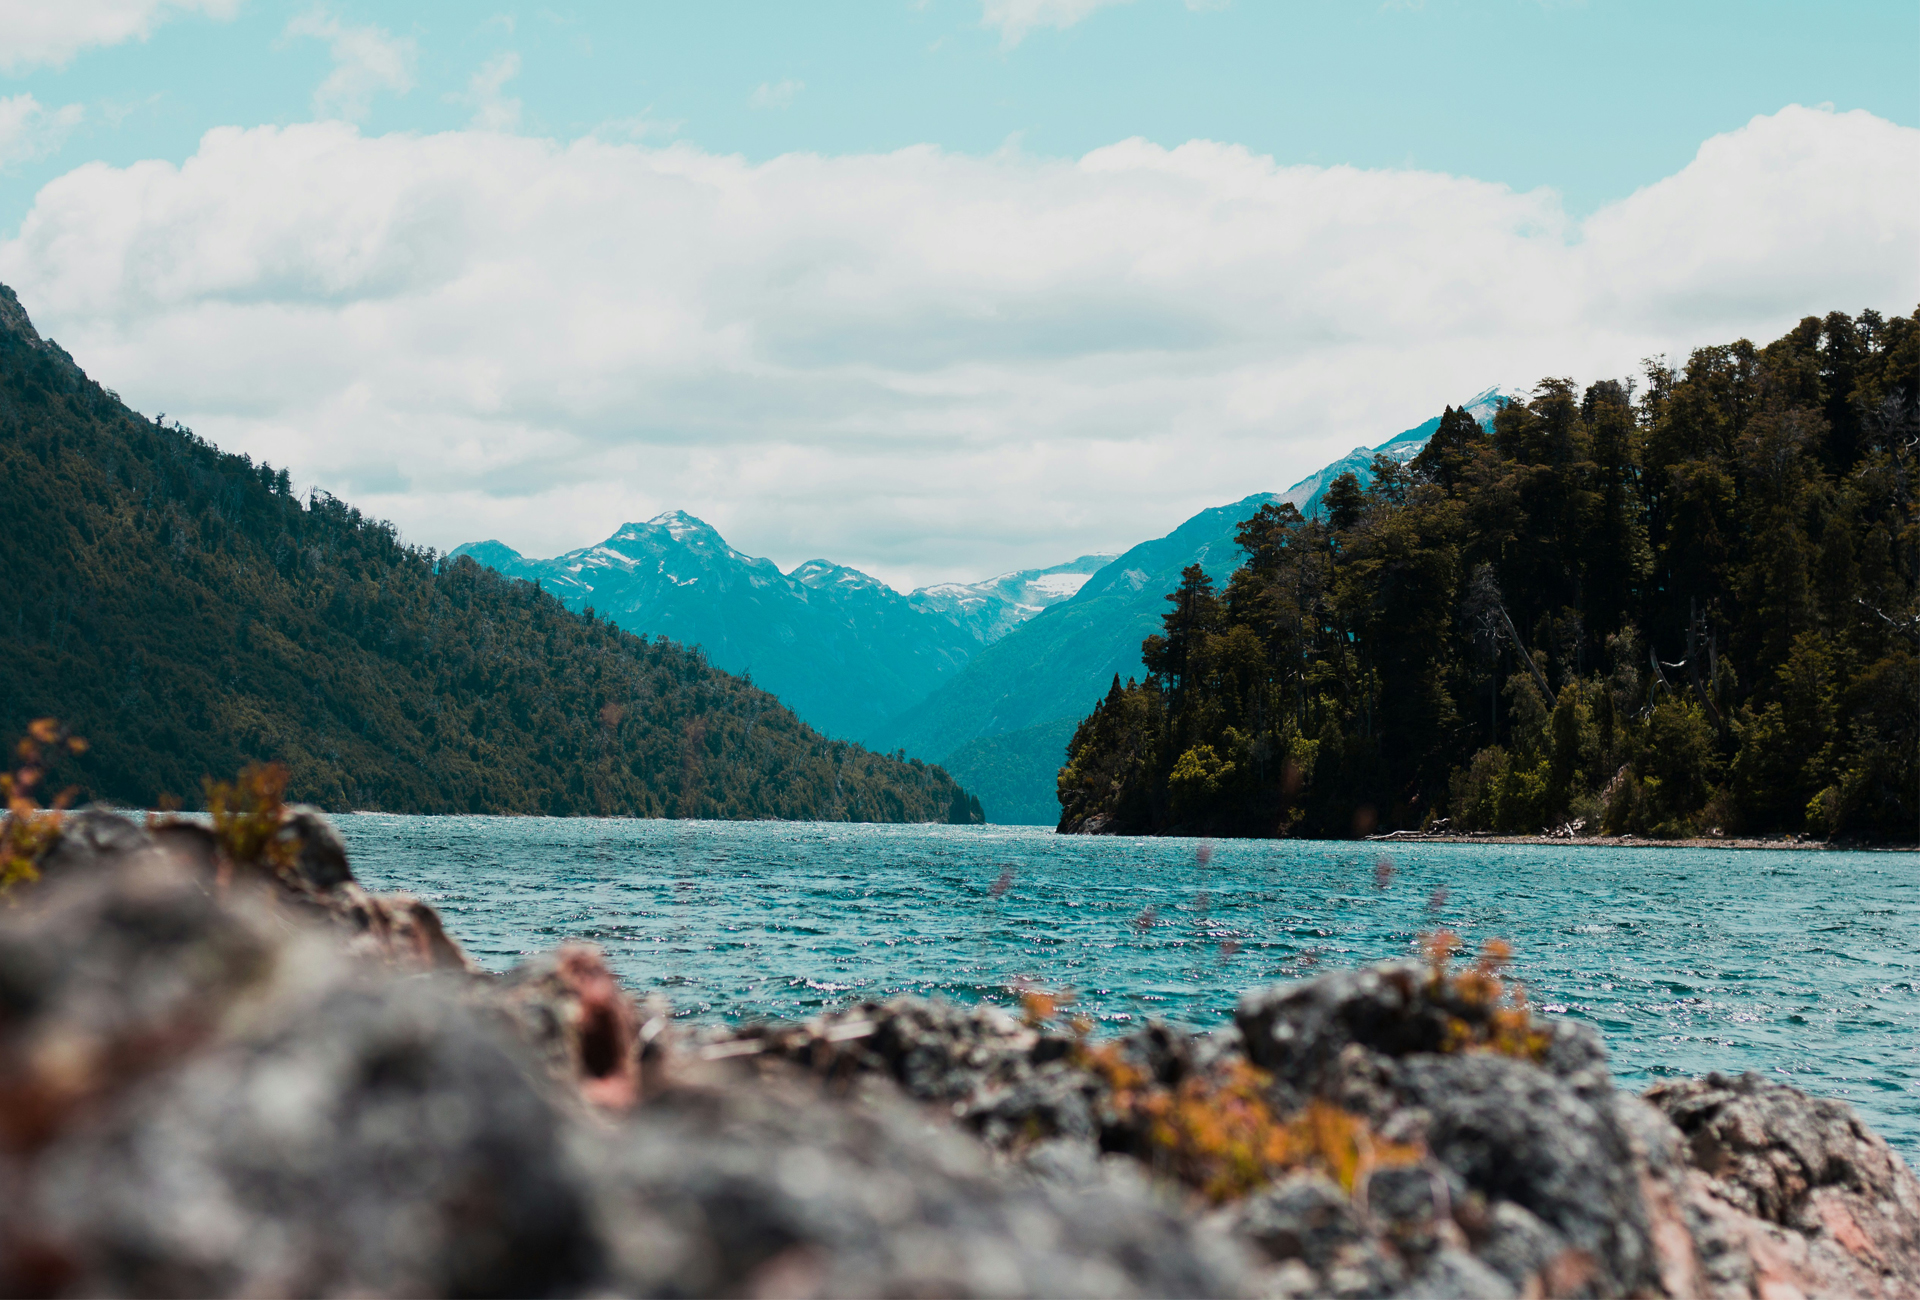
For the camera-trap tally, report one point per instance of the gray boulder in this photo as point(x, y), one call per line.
point(1514, 1132)
point(381, 1141)
point(209, 1093)
point(764, 1187)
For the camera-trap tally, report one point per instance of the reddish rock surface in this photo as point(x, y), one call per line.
point(1788, 1195)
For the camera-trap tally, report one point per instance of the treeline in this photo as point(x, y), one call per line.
point(1677, 607)
point(183, 611)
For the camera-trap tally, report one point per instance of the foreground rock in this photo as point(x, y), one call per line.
point(220, 1080)
point(1787, 1193)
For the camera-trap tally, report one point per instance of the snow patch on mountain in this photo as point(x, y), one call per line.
point(821, 575)
point(1059, 586)
point(683, 527)
point(996, 606)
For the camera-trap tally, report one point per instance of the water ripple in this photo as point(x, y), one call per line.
point(1688, 960)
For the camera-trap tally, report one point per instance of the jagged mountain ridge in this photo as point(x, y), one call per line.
point(996, 606)
point(841, 648)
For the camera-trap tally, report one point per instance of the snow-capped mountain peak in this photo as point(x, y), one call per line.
point(683, 527)
point(999, 604)
point(822, 575)
point(1486, 403)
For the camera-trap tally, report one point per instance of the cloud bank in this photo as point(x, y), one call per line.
point(38, 33)
point(925, 364)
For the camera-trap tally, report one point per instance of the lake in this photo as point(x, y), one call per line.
point(1800, 964)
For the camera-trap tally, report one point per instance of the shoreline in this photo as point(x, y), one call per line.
point(1641, 842)
point(1743, 842)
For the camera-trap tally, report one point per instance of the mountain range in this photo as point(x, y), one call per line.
point(842, 649)
point(988, 679)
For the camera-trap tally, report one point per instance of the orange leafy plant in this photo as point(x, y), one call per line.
point(1040, 1007)
point(1485, 1013)
point(28, 827)
point(1218, 1132)
point(247, 817)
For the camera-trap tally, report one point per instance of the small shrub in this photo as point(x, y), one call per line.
point(1682, 766)
point(1522, 801)
point(1217, 1132)
point(1198, 779)
point(1827, 810)
point(1722, 813)
point(248, 813)
point(1472, 789)
point(28, 827)
point(1486, 1014)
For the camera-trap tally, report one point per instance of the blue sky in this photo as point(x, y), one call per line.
point(338, 236)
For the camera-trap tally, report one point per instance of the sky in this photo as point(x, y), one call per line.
point(934, 289)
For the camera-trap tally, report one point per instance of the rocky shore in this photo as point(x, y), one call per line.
point(1574, 837)
point(224, 1077)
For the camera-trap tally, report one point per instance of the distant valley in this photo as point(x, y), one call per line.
point(987, 679)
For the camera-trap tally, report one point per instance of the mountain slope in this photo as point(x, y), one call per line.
point(842, 649)
point(1308, 494)
point(1059, 663)
point(180, 609)
point(1004, 719)
point(993, 608)
point(1013, 771)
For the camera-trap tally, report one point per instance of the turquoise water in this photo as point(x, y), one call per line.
point(1687, 960)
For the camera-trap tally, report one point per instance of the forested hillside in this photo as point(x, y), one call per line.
point(1672, 607)
point(1002, 723)
point(179, 608)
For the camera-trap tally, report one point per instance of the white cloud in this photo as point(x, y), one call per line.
point(366, 61)
point(775, 94)
point(925, 364)
point(34, 33)
point(28, 130)
point(492, 110)
point(1015, 18)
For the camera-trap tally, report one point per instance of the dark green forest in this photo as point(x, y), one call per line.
point(1675, 606)
point(183, 611)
